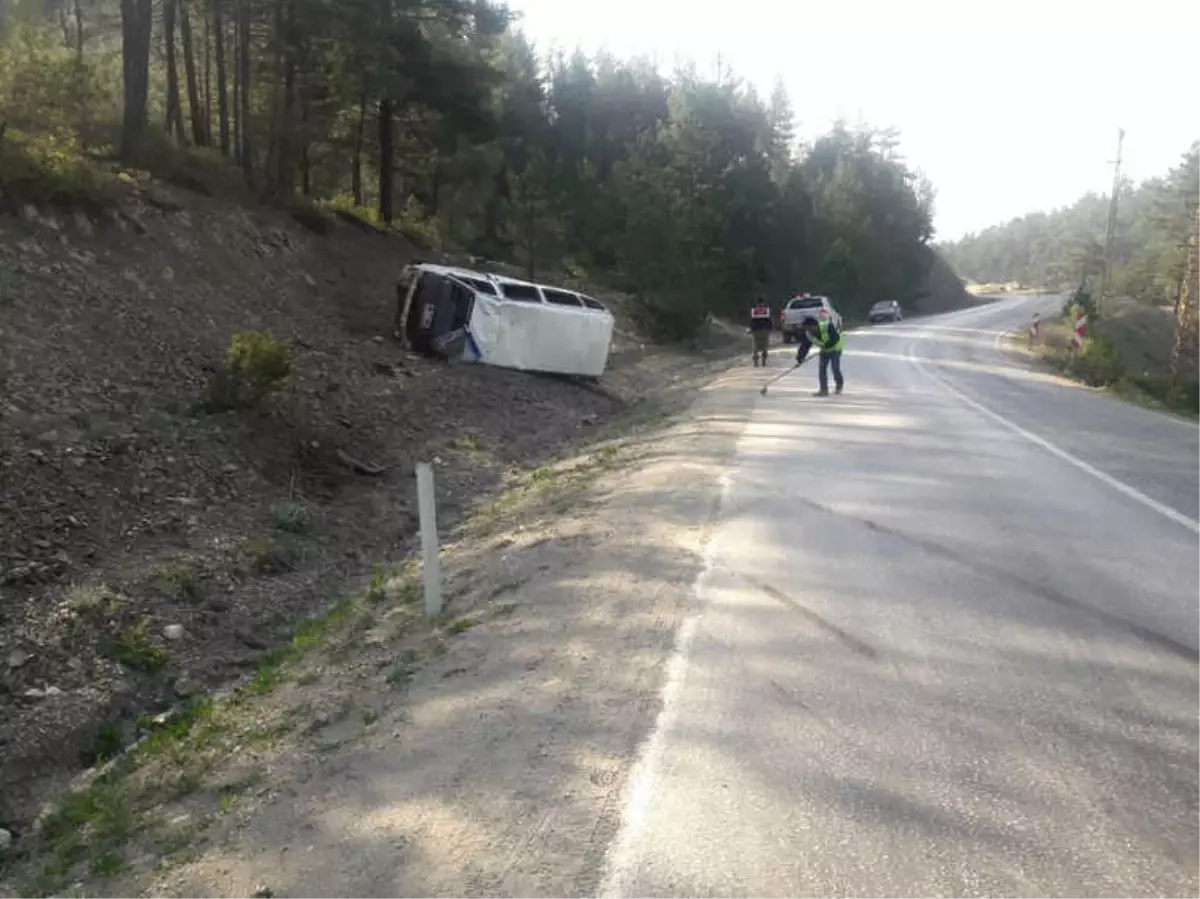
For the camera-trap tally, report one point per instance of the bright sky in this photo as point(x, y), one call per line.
point(1008, 106)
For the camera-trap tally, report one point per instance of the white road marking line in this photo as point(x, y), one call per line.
point(639, 791)
point(1120, 486)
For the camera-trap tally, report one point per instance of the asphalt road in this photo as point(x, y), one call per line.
point(946, 642)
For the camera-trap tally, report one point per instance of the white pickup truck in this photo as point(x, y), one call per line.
point(797, 309)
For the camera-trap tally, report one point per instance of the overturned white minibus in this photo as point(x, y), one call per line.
point(497, 320)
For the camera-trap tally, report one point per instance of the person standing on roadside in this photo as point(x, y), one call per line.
point(825, 336)
point(760, 329)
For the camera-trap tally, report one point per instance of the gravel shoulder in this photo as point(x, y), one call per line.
point(483, 753)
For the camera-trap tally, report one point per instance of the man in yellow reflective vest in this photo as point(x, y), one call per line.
point(825, 336)
point(760, 328)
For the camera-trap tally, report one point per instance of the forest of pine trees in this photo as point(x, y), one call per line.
point(438, 118)
point(1064, 248)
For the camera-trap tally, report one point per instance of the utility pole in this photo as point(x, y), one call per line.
point(1110, 237)
point(1189, 295)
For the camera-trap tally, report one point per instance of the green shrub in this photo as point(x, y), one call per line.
point(291, 517)
point(45, 170)
point(1085, 301)
point(1098, 363)
point(1183, 397)
point(136, 649)
point(256, 365)
point(202, 170)
point(363, 217)
point(418, 226)
point(263, 555)
point(181, 581)
point(109, 742)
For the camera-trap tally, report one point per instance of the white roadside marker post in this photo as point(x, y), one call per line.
point(430, 563)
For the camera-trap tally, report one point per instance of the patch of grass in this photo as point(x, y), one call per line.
point(83, 598)
point(266, 556)
point(399, 676)
point(95, 821)
point(107, 864)
point(542, 475)
point(165, 739)
point(102, 809)
point(376, 590)
point(491, 512)
point(408, 593)
point(402, 672)
point(109, 742)
point(465, 444)
point(135, 648)
point(369, 717)
point(269, 673)
point(189, 781)
point(504, 609)
point(181, 581)
point(290, 517)
point(307, 635)
point(366, 218)
point(313, 631)
point(92, 825)
point(606, 455)
point(460, 625)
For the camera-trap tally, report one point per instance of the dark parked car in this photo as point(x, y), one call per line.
point(885, 311)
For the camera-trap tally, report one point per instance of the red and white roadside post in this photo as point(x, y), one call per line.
point(1080, 330)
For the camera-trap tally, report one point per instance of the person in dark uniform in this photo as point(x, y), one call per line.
point(760, 328)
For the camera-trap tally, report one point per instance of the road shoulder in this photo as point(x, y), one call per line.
point(486, 754)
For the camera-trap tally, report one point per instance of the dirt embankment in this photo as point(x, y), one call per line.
point(485, 751)
point(150, 552)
